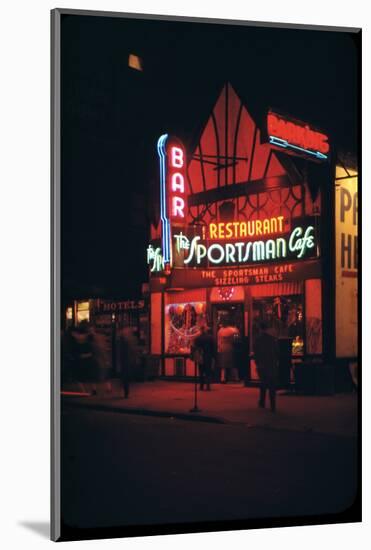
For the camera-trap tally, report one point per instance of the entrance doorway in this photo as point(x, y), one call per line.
point(228, 332)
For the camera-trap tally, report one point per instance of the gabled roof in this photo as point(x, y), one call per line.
point(230, 149)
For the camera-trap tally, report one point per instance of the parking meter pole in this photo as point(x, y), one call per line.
point(195, 409)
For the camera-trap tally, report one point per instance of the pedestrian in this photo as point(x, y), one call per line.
point(69, 371)
point(266, 359)
point(242, 359)
point(204, 354)
point(227, 334)
point(127, 357)
point(100, 355)
point(84, 352)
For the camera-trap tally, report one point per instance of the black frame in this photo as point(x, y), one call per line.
point(60, 532)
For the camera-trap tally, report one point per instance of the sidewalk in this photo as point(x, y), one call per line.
point(233, 403)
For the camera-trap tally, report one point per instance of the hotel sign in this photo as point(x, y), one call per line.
point(107, 306)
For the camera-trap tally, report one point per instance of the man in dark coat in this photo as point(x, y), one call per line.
point(127, 357)
point(266, 359)
point(204, 347)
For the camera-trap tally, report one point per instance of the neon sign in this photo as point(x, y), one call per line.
point(172, 189)
point(238, 230)
point(295, 245)
point(297, 137)
point(154, 255)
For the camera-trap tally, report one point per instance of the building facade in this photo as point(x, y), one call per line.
point(253, 227)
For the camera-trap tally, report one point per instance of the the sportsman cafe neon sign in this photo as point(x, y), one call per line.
point(295, 245)
point(254, 242)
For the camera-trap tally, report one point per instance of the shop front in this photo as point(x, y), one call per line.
point(98, 322)
point(238, 242)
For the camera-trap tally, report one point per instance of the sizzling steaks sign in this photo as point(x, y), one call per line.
point(259, 274)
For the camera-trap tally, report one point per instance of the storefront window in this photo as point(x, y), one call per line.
point(283, 316)
point(182, 325)
point(83, 312)
point(69, 317)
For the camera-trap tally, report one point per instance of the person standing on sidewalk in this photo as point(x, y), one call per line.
point(204, 353)
point(127, 356)
point(227, 334)
point(266, 359)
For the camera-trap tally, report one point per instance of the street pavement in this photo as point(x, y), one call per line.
point(128, 469)
point(233, 403)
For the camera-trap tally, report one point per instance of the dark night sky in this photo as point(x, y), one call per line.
point(112, 117)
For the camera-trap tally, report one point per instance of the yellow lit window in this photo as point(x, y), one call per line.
point(135, 62)
point(82, 311)
point(69, 313)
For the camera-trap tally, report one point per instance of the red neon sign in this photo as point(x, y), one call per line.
point(176, 175)
point(296, 133)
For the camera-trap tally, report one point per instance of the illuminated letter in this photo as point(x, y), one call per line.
point(212, 231)
point(177, 158)
point(251, 228)
point(270, 249)
point(258, 227)
point(324, 146)
point(177, 182)
point(150, 253)
point(266, 226)
point(243, 229)
point(229, 253)
point(258, 251)
point(192, 249)
point(221, 231)
point(247, 253)
point(211, 249)
point(295, 244)
point(281, 247)
point(156, 256)
point(239, 249)
point(301, 245)
point(178, 207)
point(274, 225)
point(200, 253)
point(182, 242)
point(229, 231)
point(280, 221)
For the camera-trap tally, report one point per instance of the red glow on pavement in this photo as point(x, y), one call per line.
point(76, 393)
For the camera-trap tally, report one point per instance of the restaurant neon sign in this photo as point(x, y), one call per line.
point(238, 230)
point(296, 245)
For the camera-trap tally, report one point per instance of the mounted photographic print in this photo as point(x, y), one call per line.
point(205, 183)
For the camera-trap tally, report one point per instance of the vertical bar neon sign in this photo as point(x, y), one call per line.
point(165, 222)
point(172, 189)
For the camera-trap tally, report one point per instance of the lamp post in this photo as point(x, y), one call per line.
point(195, 409)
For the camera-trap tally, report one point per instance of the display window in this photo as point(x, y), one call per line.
point(83, 312)
point(283, 316)
point(182, 324)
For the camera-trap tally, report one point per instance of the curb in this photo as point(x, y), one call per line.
point(144, 412)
